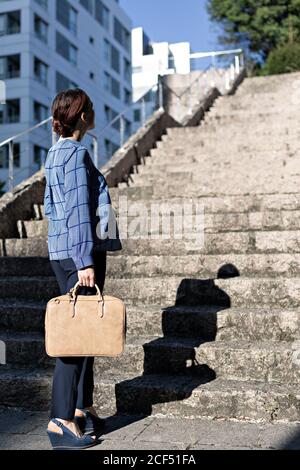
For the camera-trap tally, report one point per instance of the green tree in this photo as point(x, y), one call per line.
point(258, 25)
point(283, 59)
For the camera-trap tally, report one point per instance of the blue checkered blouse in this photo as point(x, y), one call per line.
point(78, 205)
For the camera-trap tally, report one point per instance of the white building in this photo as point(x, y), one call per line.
point(50, 45)
point(151, 59)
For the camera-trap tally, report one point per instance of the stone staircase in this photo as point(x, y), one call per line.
point(211, 332)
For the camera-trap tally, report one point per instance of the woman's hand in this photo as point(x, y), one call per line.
point(86, 277)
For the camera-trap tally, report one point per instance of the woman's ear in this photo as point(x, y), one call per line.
point(83, 117)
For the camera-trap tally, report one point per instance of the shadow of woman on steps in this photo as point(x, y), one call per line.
point(171, 369)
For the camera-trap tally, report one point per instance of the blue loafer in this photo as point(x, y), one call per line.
point(68, 440)
point(89, 423)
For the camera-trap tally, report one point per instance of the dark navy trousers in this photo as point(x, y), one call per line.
point(73, 381)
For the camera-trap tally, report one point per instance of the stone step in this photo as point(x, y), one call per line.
point(169, 170)
point(195, 397)
point(173, 290)
point(241, 205)
point(212, 204)
point(242, 108)
point(243, 119)
point(25, 350)
point(123, 266)
point(25, 266)
point(164, 395)
point(120, 265)
point(31, 389)
point(207, 183)
point(204, 266)
point(281, 241)
point(217, 136)
point(226, 184)
point(204, 152)
point(269, 220)
point(247, 360)
point(211, 323)
point(233, 360)
point(237, 134)
point(17, 247)
point(21, 316)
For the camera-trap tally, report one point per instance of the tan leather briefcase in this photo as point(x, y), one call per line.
point(85, 325)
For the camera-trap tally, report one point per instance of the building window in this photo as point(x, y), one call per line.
point(115, 88)
point(127, 128)
point(107, 82)
point(147, 47)
point(115, 59)
point(10, 23)
point(42, 3)
point(40, 71)
point(107, 114)
point(10, 67)
point(121, 34)
point(39, 155)
point(64, 83)
point(127, 96)
point(127, 70)
point(10, 112)
point(66, 15)
point(66, 49)
point(111, 56)
point(102, 14)
point(88, 5)
point(40, 112)
point(107, 51)
point(137, 115)
point(41, 29)
point(4, 155)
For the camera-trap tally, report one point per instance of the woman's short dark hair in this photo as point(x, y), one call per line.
point(67, 108)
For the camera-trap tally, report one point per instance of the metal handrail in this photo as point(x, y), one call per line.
point(179, 96)
point(10, 140)
point(125, 110)
point(200, 55)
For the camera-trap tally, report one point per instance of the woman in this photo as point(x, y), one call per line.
point(81, 230)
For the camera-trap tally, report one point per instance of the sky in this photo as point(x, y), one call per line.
point(174, 21)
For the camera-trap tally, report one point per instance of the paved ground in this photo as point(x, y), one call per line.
point(25, 430)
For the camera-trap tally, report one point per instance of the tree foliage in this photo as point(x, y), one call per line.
point(260, 25)
point(283, 59)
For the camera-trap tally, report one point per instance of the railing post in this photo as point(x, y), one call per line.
point(122, 130)
point(213, 59)
point(237, 64)
point(227, 80)
point(160, 93)
point(242, 60)
point(95, 152)
point(10, 166)
point(232, 72)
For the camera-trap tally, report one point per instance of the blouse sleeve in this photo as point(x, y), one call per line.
point(77, 206)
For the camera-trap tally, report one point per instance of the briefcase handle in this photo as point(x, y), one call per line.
point(74, 289)
point(73, 298)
